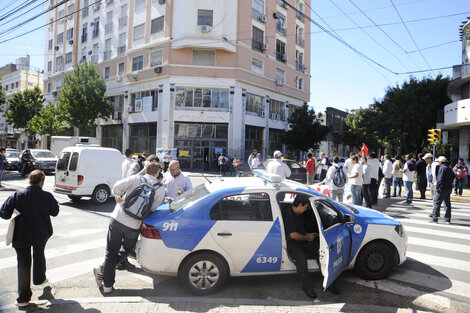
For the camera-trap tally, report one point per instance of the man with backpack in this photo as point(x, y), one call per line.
point(336, 179)
point(142, 195)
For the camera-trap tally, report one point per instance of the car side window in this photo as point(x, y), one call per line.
point(63, 161)
point(294, 165)
point(243, 207)
point(329, 216)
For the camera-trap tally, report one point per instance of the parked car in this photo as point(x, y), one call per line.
point(42, 159)
point(298, 172)
point(12, 159)
point(234, 227)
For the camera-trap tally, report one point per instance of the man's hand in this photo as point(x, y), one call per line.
point(311, 236)
point(118, 199)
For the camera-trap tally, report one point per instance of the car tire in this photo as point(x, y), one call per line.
point(100, 195)
point(74, 198)
point(375, 261)
point(203, 274)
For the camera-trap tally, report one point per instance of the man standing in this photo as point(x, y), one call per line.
point(251, 157)
point(408, 177)
point(387, 170)
point(367, 191)
point(355, 179)
point(348, 165)
point(257, 162)
point(167, 158)
point(432, 169)
point(324, 164)
point(3, 162)
point(335, 191)
point(175, 181)
point(443, 190)
point(374, 164)
point(460, 171)
point(278, 167)
point(127, 163)
point(310, 167)
point(123, 229)
point(421, 171)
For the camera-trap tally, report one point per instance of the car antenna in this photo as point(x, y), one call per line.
point(206, 178)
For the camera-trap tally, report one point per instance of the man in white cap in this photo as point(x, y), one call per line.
point(278, 167)
point(444, 183)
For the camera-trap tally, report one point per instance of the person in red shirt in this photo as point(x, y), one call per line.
point(310, 166)
point(460, 171)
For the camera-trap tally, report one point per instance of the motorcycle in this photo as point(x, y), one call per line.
point(28, 168)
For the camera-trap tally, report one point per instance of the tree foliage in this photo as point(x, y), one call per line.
point(2, 93)
point(82, 98)
point(23, 106)
point(305, 130)
point(49, 121)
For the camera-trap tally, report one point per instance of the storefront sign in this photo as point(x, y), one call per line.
point(139, 102)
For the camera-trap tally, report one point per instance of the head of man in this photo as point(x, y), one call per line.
point(322, 155)
point(129, 152)
point(3, 150)
point(300, 204)
point(254, 152)
point(420, 155)
point(373, 155)
point(151, 159)
point(363, 160)
point(309, 155)
point(336, 159)
point(152, 169)
point(441, 160)
point(351, 154)
point(354, 159)
point(428, 158)
point(277, 154)
point(408, 157)
point(258, 156)
point(174, 168)
point(460, 161)
point(36, 178)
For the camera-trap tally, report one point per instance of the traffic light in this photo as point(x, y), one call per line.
point(434, 136)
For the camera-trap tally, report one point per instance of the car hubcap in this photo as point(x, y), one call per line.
point(375, 261)
point(101, 195)
point(203, 275)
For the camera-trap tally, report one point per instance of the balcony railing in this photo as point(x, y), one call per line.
point(300, 41)
point(460, 70)
point(299, 66)
point(257, 45)
point(107, 55)
point(300, 16)
point(280, 29)
point(123, 21)
point(121, 50)
point(108, 27)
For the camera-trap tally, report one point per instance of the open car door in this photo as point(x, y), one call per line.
point(335, 240)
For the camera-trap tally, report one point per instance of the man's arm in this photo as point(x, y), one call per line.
point(54, 206)
point(188, 185)
point(7, 207)
point(288, 172)
point(299, 237)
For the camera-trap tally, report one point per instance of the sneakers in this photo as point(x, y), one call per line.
point(98, 272)
point(107, 289)
point(22, 304)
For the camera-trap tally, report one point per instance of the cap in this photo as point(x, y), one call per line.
point(428, 155)
point(259, 154)
point(441, 159)
point(277, 154)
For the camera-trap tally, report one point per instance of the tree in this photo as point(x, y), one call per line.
point(305, 130)
point(82, 98)
point(2, 93)
point(49, 121)
point(23, 106)
point(361, 127)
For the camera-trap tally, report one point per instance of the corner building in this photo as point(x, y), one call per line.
point(202, 76)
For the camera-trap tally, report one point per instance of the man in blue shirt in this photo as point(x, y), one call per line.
point(444, 182)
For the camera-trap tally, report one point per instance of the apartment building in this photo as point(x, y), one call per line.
point(205, 77)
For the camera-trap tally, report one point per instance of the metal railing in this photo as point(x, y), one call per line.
point(300, 41)
point(108, 27)
point(299, 66)
point(107, 55)
point(121, 50)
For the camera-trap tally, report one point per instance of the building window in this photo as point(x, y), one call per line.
point(204, 17)
point(85, 32)
point(61, 16)
point(280, 51)
point(70, 10)
point(257, 42)
point(281, 27)
point(254, 103)
point(204, 57)
point(107, 49)
point(202, 97)
point(157, 25)
point(58, 84)
point(6, 87)
point(300, 83)
point(59, 63)
point(122, 43)
point(275, 142)
point(111, 135)
point(143, 137)
point(96, 28)
point(48, 87)
point(138, 63)
point(49, 66)
point(123, 18)
point(257, 66)
point(156, 58)
point(139, 31)
point(68, 58)
point(106, 72)
point(140, 4)
point(12, 86)
point(258, 9)
point(51, 43)
point(109, 22)
point(121, 68)
point(16, 84)
point(148, 97)
point(60, 38)
point(70, 33)
point(276, 109)
point(280, 80)
point(85, 8)
point(299, 61)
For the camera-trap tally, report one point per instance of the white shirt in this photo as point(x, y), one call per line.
point(366, 172)
point(433, 170)
point(250, 159)
point(330, 175)
point(126, 165)
point(357, 169)
point(221, 160)
point(374, 168)
point(396, 169)
point(323, 164)
point(167, 157)
point(278, 167)
point(348, 167)
point(408, 175)
point(173, 184)
point(255, 163)
point(387, 168)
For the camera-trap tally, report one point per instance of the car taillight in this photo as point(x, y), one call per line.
point(150, 232)
point(79, 179)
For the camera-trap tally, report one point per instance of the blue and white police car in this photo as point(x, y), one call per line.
point(234, 227)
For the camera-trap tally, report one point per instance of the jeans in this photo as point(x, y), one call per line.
point(356, 194)
point(337, 194)
point(422, 184)
point(23, 256)
point(458, 185)
point(442, 196)
point(387, 184)
point(367, 195)
point(310, 178)
point(118, 234)
point(409, 191)
point(1, 176)
point(397, 182)
point(301, 251)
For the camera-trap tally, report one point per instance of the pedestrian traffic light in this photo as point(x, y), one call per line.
point(438, 134)
point(434, 136)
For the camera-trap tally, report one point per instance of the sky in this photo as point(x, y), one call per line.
point(340, 77)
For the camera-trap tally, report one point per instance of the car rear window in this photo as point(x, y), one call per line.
point(43, 154)
point(11, 154)
point(188, 198)
point(74, 162)
point(63, 161)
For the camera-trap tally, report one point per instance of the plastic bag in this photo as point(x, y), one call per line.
point(380, 194)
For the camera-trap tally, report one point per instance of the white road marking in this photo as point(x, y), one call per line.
point(444, 233)
point(73, 270)
point(440, 261)
point(432, 243)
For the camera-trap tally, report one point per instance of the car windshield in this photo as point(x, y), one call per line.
point(11, 154)
point(188, 198)
point(43, 154)
point(348, 208)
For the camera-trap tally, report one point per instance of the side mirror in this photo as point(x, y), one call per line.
point(349, 219)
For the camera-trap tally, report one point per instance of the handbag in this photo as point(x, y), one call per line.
point(11, 228)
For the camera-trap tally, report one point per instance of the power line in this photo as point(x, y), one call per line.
point(435, 46)
point(17, 9)
point(26, 12)
point(24, 22)
point(409, 33)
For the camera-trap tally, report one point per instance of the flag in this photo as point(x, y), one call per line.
point(364, 151)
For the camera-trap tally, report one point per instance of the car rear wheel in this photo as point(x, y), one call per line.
point(203, 274)
point(375, 261)
point(74, 198)
point(100, 195)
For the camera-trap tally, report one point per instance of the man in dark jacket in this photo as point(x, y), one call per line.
point(32, 229)
point(421, 171)
point(445, 179)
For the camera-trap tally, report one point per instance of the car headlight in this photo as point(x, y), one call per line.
point(400, 230)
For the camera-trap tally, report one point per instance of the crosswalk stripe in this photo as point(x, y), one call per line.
point(442, 225)
point(432, 243)
point(56, 252)
point(4, 230)
point(440, 261)
point(433, 232)
point(73, 270)
point(424, 213)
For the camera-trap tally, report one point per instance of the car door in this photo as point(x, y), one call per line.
point(298, 173)
point(66, 177)
point(247, 232)
point(335, 240)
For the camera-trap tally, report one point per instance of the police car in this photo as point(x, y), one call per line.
point(234, 227)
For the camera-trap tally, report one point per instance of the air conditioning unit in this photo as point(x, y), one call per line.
point(97, 6)
point(56, 48)
point(157, 69)
point(90, 52)
point(116, 115)
point(118, 78)
point(50, 28)
point(263, 18)
point(71, 42)
point(92, 23)
point(161, 1)
point(284, 57)
point(284, 4)
point(279, 82)
point(70, 16)
point(276, 15)
point(205, 28)
point(283, 25)
point(134, 75)
point(264, 47)
point(54, 93)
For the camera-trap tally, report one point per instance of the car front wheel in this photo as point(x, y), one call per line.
point(100, 195)
point(375, 261)
point(204, 273)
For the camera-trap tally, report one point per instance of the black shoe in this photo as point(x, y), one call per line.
point(333, 290)
point(430, 215)
point(433, 220)
point(309, 292)
point(422, 197)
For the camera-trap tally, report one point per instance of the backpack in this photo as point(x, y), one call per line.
point(139, 202)
point(339, 180)
point(411, 165)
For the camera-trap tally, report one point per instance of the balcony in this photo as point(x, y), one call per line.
point(257, 45)
point(457, 113)
point(121, 50)
point(299, 66)
point(300, 16)
point(108, 27)
point(300, 41)
point(107, 55)
point(123, 21)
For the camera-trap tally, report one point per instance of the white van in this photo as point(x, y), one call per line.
point(88, 171)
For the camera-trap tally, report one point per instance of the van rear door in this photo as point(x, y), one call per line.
point(66, 179)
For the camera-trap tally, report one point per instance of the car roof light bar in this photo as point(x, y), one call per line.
point(269, 177)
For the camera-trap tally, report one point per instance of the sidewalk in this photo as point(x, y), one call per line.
point(195, 304)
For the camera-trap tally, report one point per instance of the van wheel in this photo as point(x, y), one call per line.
point(74, 198)
point(100, 195)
